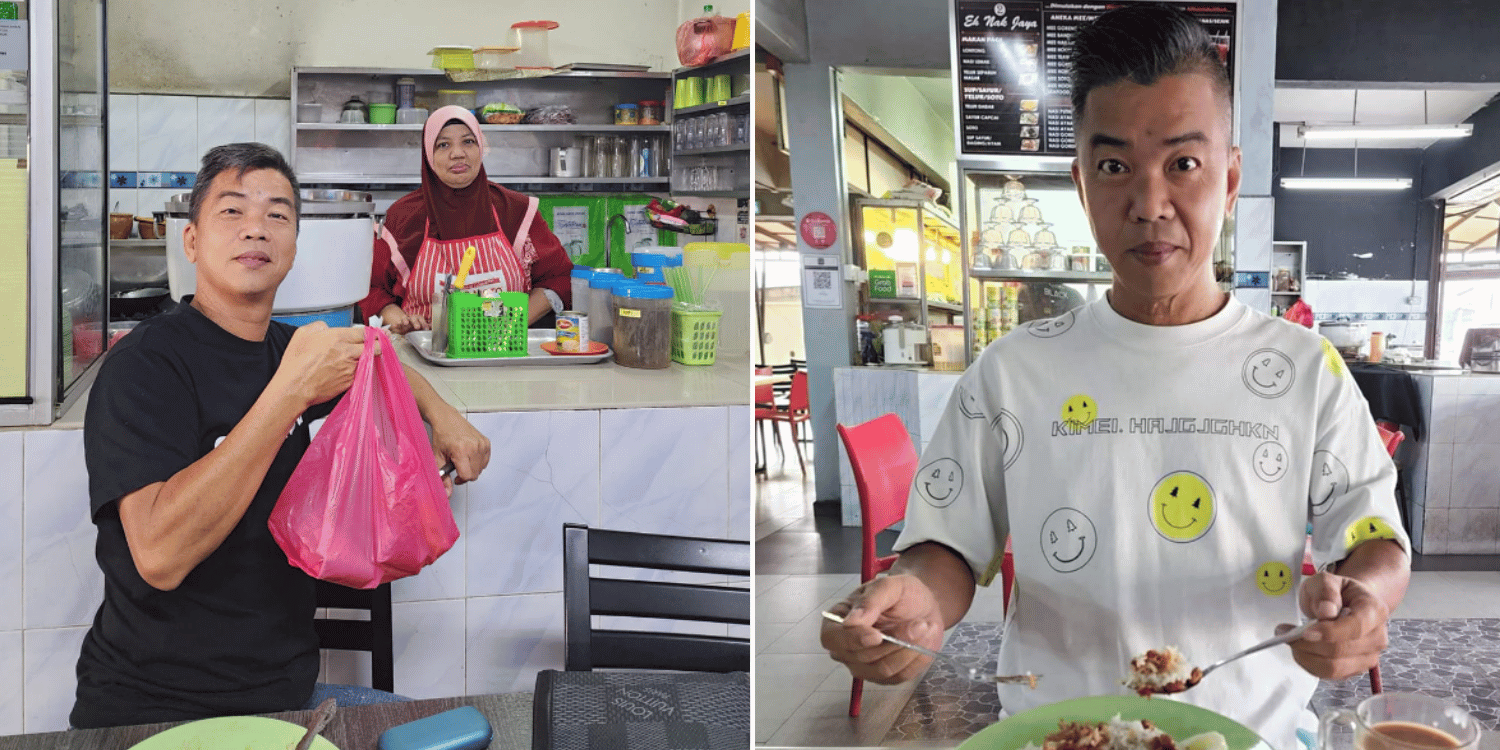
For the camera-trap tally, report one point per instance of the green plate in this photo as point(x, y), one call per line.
point(232, 733)
point(1180, 720)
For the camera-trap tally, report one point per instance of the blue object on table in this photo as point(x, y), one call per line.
point(342, 317)
point(1308, 740)
point(463, 728)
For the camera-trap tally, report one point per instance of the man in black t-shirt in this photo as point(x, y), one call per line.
point(194, 425)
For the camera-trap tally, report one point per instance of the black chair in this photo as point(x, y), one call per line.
point(704, 705)
point(373, 635)
point(585, 595)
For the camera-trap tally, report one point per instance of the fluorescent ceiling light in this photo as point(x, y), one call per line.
point(1346, 132)
point(1345, 183)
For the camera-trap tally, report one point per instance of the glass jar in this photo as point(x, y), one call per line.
point(600, 307)
point(627, 114)
point(1031, 212)
point(636, 148)
point(585, 145)
point(650, 113)
point(1045, 237)
point(619, 156)
point(601, 156)
point(659, 156)
point(643, 326)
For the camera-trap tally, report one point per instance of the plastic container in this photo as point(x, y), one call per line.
point(494, 58)
point(466, 98)
point(530, 39)
point(947, 347)
point(601, 308)
point(580, 278)
point(741, 32)
point(695, 336)
point(309, 112)
point(649, 266)
point(406, 93)
point(453, 57)
point(411, 116)
point(382, 114)
point(651, 112)
point(380, 96)
point(643, 326)
point(487, 326)
point(627, 114)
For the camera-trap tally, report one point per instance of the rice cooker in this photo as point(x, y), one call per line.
point(1349, 337)
point(334, 246)
point(903, 342)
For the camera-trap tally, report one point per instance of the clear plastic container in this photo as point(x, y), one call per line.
point(580, 278)
point(642, 329)
point(466, 98)
point(651, 112)
point(406, 93)
point(600, 307)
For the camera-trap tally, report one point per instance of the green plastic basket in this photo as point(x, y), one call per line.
point(487, 326)
point(695, 336)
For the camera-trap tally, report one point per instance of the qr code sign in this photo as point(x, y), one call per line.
point(823, 280)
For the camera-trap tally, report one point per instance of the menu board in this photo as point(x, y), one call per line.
point(1013, 88)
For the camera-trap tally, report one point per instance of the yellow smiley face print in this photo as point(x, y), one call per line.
point(1080, 411)
point(1182, 506)
point(1366, 529)
point(1333, 359)
point(1274, 578)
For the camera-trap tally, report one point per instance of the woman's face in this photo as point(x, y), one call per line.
point(455, 156)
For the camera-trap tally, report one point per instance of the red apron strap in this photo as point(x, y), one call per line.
point(519, 243)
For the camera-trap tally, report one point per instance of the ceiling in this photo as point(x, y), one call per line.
point(1322, 106)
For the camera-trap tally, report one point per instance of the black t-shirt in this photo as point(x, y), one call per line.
point(236, 637)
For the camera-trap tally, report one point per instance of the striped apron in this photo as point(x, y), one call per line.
point(497, 263)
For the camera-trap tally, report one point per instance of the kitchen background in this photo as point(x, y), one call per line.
point(186, 76)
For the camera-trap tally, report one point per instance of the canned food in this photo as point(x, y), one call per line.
point(572, 331)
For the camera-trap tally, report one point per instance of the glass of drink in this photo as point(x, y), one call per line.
point(1403, 721)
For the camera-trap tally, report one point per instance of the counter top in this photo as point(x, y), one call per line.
point(605, 385)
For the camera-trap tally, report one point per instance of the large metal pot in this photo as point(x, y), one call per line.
point(334, 247)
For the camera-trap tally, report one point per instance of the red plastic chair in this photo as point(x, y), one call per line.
point(797, 411)
point(884, 462)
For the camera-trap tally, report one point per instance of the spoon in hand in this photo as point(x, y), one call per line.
point(972, 673)
point(1198, 675)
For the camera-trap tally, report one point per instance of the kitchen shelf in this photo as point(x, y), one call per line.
point(497, 128)
point(443, 74)
point(718, 62)
point(138, 243)
point(713, 193)
point(1071, 277)
point(737, 101)
point(945, 306)
point(410, 179)
point(738, 148)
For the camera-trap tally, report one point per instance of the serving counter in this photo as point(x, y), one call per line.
point(644, 450)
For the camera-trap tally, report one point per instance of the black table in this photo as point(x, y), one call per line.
point(1392, 394)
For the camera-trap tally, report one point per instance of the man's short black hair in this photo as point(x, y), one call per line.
point(243, 157)
point(1143, 43)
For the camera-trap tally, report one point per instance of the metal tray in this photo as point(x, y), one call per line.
point(422, 341)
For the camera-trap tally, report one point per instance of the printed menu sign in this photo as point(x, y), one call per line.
point(1013, 89)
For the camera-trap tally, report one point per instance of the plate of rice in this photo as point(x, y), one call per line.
point(1109, 722)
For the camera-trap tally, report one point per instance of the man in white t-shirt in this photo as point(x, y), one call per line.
point(1155, 456)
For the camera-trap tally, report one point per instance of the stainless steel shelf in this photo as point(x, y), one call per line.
point(714, 193)
point(742, 148)
point(439, 73)
point(497, 128)
point(1076, 277)
point(720, 62)
point(409, 179)
point(712, 106)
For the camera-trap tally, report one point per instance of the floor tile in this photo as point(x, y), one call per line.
point(778, 698)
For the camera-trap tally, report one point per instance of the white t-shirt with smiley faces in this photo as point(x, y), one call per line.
point(1157, 483)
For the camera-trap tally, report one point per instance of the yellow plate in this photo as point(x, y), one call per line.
point(232, 733)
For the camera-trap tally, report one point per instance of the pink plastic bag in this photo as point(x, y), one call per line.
point(1299, 313)
point(702, 39)
point(365, 505)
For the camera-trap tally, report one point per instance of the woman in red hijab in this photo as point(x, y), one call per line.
point(426, 232)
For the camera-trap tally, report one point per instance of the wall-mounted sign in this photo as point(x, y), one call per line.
point(822, 282)
point(819, 230)
point(1012, 63)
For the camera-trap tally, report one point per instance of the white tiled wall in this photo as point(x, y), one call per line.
point(150, 133)
point(1369, 297)
point(1462, 504)
point(485, 618)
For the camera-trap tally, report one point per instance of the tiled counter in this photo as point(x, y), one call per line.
point(663, 451)
point(1454, 475)
point(916, 395)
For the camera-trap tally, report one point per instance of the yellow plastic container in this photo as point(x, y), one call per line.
point(453, 58)
point(741, 32)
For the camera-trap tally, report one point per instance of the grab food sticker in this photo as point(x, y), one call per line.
point(1367, 529)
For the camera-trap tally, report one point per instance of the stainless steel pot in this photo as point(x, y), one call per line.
point(1345, 334)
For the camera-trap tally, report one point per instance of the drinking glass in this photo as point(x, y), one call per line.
point(1403, 721)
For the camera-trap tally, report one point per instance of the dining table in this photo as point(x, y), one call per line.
point(351, 728)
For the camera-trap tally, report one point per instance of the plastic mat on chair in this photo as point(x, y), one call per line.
point(642, 710)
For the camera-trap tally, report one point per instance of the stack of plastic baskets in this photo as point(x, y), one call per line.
point(695, 336)
point(487, 326)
